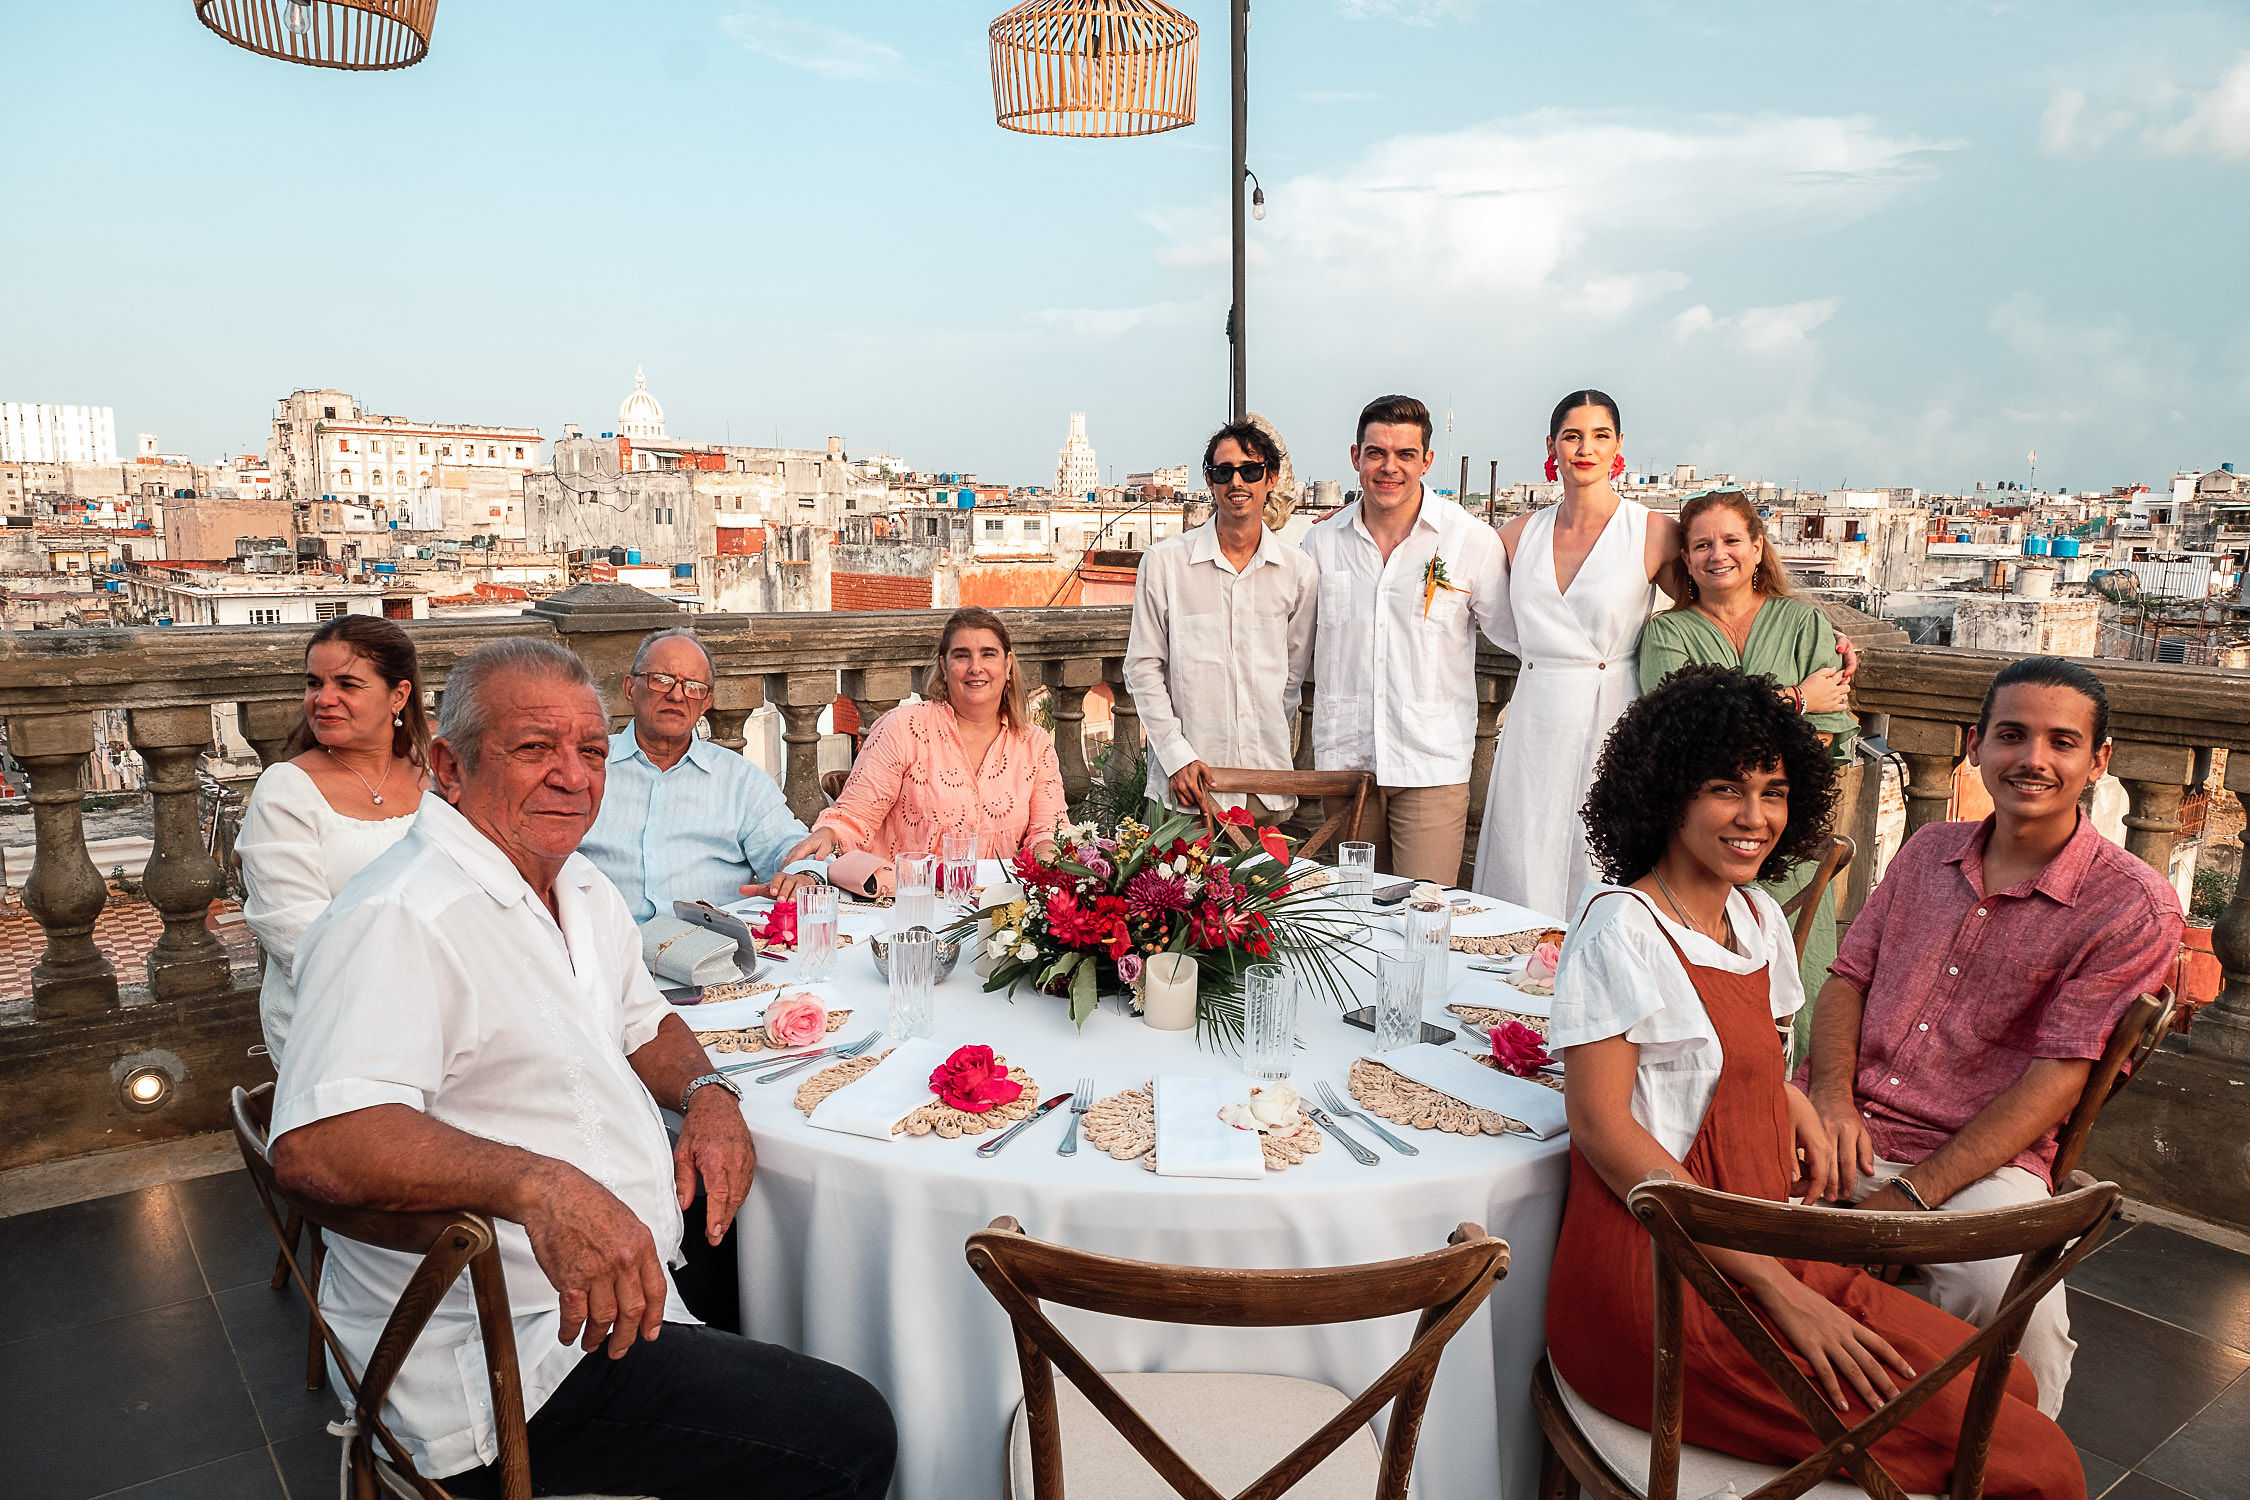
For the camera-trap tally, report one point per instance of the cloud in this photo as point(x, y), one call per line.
point(1615, 296)
point(2219, 122)
point(1759, 330)
point(1512, 206)
point(817, 49)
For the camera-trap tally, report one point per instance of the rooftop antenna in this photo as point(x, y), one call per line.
point(2032, 458)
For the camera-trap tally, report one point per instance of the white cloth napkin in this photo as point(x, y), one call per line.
point(1191, 1139)
point(1453, 1074)
point(893, 1089)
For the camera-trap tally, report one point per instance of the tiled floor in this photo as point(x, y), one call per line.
point(125, 932)
point(143, 1355)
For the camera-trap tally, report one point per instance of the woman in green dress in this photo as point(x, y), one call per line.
point(1741, 612)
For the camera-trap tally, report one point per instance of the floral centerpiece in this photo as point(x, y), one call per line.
point(1083, 920)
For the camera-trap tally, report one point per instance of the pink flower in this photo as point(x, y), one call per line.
point(1545, 959)
point(1149, 894)
point(1519, 1050)
point(1129, 968)
point(795, 1020)
point(780, 926)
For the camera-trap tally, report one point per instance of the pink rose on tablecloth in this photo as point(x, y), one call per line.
point(794, 1020)
point(1545, 959)
point(1519, 1050)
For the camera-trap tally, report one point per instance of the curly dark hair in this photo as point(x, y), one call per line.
point(1702, 722)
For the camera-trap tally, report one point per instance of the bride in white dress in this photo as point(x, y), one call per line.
point(1584, 576)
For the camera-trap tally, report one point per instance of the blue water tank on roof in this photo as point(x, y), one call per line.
point(2066, 546)
point(2035, 546)
point(633, 557)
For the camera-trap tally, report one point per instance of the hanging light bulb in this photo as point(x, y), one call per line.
point(1257, 203)
point(300, 18)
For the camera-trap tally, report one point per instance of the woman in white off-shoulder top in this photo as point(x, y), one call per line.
point(346, 789)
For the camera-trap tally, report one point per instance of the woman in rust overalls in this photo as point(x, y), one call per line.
point(1669, 989)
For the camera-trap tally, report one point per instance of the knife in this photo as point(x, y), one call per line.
point(1360, 1154)
point(992, 1148)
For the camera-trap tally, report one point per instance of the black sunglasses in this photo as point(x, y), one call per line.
point(1222, 473)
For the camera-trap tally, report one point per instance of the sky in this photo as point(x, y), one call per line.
point(1898, 243)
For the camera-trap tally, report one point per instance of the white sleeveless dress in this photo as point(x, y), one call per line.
point(1580, 669)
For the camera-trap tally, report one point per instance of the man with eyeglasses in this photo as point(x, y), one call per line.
point(686, 819)
point(1222, 634)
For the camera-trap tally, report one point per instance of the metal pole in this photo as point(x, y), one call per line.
point(1461, 493)
point(1237, 334)
point(1492, 492)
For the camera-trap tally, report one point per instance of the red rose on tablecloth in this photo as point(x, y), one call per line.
point(780, 926)
point(974, 1081)
point(794, 1020)
point(1519, 1050)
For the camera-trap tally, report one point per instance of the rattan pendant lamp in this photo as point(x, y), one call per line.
point(1093, 68)
point(363, 35)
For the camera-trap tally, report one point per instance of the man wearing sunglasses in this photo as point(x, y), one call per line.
point(1222, 633)
point(685, 819)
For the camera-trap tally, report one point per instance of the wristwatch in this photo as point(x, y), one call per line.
point(687, 1095)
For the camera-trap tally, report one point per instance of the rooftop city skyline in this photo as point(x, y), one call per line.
point(1902, 245)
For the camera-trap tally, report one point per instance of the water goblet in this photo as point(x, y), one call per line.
point(914, 891)
point(1269, 1012)
point(1398, 1000)
point(816, 933)
point(913, 974)
point(957, 870)
point(1429, 934)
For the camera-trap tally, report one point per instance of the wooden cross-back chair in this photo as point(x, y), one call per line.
point(2051, 1237)
point(1332, 787)
point(1231, 1423)
point(448, 1244)
point(1801, 908)
point(2137, 1034)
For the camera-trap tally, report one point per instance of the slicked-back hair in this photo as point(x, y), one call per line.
point(390, 651)
point(1251, 438)
point(463, 716)
point(2049, 671)
point(1394, 411)
point(1703, 723)
point(1576, 399)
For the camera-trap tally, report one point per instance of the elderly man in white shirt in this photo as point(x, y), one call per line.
point(475, 1031)
point(1222, 633)
point(1407, 578)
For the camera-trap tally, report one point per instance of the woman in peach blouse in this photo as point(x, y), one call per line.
point(966, 760)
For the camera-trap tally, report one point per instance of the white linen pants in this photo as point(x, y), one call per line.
point(1973, 1290)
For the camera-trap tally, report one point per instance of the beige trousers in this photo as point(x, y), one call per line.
point(1973, 1291)
point(1418, 831)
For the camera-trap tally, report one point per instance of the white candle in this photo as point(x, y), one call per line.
point(1168, 992)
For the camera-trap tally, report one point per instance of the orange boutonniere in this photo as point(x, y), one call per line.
point(1433, 579)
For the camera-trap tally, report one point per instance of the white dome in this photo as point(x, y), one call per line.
point(639, 415)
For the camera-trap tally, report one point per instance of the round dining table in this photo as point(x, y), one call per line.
point(852, 1249)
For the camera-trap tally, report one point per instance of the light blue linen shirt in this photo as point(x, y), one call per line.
point(698, 832)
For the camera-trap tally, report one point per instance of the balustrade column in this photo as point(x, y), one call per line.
point(875, 691)
point(65, 894)
point(733, 701)
point(1302, 757)
point(801, 696)
point(267, 726)
point(1932, 751)
point(2155, 778)
point(1124, 718)
point(1069, 680)
point(2223, 1028)
point(182, 878)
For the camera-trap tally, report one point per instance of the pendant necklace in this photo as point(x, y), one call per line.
point(1693, 925)
point(376, 790)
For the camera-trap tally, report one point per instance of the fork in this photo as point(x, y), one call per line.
point(852, 1050)
point(1344, 1111)
point(1080, 1102)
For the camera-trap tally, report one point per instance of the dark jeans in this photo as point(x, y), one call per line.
point(703, 1415)
point(710, 1283)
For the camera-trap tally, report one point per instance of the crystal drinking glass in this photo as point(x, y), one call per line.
point(1269, 1014)
point(913, 973)
point(816, 933)
point(1429, 935)
point(1355, 877)
point(1398, 1000)
point(914, 885)
point(957, 873)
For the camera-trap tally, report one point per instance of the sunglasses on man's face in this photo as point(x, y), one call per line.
point(1251, 473)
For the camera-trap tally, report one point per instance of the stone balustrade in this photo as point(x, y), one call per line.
point(189, 1016)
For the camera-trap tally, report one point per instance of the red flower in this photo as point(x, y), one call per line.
point(1096, 924)
point(1275, 845)
point(1238, 816)
point(780, 926)
point(1519, 1050)
point(974, 1081)
point(1032, 873)
point(1212, 925)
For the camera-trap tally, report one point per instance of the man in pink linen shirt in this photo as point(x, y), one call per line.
point(1975, 990)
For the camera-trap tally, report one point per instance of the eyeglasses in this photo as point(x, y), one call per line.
point(689, 687)
point(1251, 473)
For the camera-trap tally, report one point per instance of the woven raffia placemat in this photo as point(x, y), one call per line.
point(1124, 1125)
point(754, 1038)
point(1502, 943)
point(1402, 1101)
point(933, 1118)
point(1488, 1017)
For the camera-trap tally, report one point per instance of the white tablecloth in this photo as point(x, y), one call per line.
point(851, 1249)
